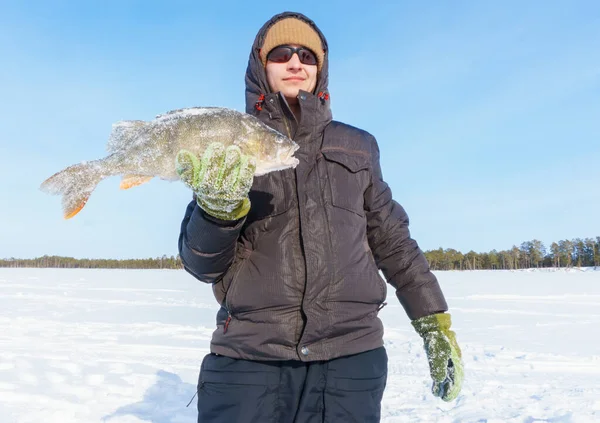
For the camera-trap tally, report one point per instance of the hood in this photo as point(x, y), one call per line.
point(257, 87)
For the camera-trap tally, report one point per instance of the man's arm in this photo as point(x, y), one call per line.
point(405, 267)
point(207, 244)
point(220, 179)
point(398, 256)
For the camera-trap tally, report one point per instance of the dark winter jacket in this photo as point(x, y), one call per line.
point(298, 278)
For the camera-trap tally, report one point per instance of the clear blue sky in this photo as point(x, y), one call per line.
point(487, 113)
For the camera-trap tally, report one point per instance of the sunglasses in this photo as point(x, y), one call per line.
point(283, 54)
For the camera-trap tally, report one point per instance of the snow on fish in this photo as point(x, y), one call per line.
point(141, 150)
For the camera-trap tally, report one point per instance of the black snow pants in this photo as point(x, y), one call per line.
point(343, 390)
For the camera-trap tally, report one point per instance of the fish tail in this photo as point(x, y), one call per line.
point(75, 184)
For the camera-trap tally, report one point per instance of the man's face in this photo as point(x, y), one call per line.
point(290, 77)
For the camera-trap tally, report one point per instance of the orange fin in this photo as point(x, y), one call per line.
point(75, 184)
point(74, 208)
point(130, 181)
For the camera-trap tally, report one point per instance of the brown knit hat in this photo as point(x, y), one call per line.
point(293, 31)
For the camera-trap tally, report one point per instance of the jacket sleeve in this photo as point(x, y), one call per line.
point(206, 244)
point(397, 255)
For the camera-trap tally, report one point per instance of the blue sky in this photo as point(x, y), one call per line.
point(487, 113)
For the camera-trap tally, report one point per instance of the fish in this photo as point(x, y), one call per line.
point(142, 150)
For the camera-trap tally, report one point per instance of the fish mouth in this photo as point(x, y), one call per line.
point(291, 161)
point(288, 159)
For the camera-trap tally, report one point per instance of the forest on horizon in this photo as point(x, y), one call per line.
point(577, 252)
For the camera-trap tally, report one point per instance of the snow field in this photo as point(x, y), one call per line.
point(125, 346)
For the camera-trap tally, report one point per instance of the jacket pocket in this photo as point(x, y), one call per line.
point(235, 273)
point(270, 195)
point(381, 282)
point(348, 177)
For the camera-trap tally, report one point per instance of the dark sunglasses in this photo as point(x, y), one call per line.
point(283, 54)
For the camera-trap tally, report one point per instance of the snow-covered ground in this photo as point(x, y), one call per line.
point(126, 346)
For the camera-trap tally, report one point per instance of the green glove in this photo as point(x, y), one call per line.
point(221, 179)
point(443, 354)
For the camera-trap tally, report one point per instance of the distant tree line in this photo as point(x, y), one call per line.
point(163, 262)
point(577, 252)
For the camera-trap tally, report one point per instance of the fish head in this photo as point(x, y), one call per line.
point(278, 154)
point(271, 150)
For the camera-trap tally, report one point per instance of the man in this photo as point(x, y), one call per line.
point(294, 256)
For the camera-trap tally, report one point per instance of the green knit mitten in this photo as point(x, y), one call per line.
point(221, 179)
point(443, 354)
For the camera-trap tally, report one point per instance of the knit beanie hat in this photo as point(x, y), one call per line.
point(293, 31)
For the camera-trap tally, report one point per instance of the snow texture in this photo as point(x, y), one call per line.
point(125, 346)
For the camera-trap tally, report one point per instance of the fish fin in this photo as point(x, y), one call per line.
point(75, 206)
point(130, 181)
point(75, 184)
point(124, 134)
point(183, 111)
point(171, 112)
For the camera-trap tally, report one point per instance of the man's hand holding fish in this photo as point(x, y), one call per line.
point(221, 179)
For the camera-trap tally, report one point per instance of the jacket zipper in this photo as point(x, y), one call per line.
point(285, 118)
point(382, 283)
point(287, 128)
point(230, 291)
point(227, 322)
